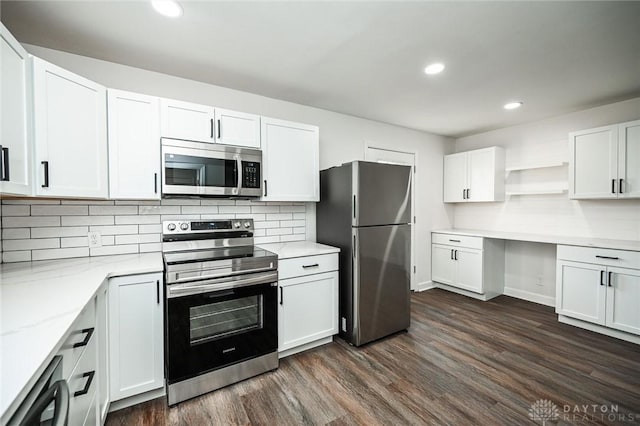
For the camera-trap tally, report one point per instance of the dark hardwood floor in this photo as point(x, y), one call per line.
point(462, 362)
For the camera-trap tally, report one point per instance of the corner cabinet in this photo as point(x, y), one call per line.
point(291, 165)
point(604, 163)
point(474, 176)
point(15, 116)
point(599, 286)
point(308, 302)
point(70, 121)
point(134, 146)
point(473, 266)
point(136, 348)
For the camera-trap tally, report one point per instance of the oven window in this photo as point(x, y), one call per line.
point(223, 319)
point(186, 170)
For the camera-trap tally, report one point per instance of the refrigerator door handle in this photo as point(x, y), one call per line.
point(354, 206)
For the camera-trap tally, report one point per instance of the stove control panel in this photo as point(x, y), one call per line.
point(173, 227)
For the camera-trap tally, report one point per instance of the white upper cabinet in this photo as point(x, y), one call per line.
point(629, 160)
point(290, 160)
point(184, 120)
point(604, 163)
point(237, 128)
point(70, 114)
point(15, 117)
point(134, 146)
point(474, 176)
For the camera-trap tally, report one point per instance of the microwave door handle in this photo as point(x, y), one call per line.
point(238, 174)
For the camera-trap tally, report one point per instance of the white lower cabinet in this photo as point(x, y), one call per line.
point(102, 323)
point(136, 349)
point(599, 286)
point(473, 265)
point(308, 303)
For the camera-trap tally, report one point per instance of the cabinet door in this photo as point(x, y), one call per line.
point(482, 175)
point(593, 162)
point(237, 128)
point(443, 268)
point(184, 120)
point(308, 309)
point(135, 335)
point(455, 177)
point(70, 134)
point(290, 161)
point(629, 160)
point(134, 146)
point(581, 291)
point(15, 116)
point(102, 320)
point(623, 299)
point(468, 269)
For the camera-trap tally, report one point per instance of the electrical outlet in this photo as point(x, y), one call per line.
point(95, 239)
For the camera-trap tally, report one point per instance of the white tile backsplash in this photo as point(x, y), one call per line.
point(34, 229)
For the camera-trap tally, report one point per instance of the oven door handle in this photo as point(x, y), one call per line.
point(174, 277)
point(238, 174)
point(208, 286)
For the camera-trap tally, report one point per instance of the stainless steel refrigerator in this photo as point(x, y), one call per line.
point(365, 210)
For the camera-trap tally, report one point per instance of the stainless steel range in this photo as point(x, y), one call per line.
point(221, 322)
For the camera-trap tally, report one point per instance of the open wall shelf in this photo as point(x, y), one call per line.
point(536, 166)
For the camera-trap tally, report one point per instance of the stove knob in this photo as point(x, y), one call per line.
point(171, 227)
point(236, 225)
point(247, 224)
point(184, 226)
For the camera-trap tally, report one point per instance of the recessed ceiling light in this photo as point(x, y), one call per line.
point(512, 105)
point(168, 8)
point(434, 68)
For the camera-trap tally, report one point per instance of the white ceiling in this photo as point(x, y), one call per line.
point(367, 58)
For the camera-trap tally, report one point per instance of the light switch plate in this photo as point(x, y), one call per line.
point(95, 239)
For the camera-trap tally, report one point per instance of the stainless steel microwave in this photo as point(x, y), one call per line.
point(209, 169)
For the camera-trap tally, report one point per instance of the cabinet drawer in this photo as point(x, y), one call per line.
point(82, 334)
point(608, 257)
point(300, 266)
point(457, 240)
point(82, 385)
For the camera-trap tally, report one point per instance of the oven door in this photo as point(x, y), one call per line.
point(210, 329)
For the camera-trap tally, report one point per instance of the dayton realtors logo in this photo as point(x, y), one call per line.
point(544, 411)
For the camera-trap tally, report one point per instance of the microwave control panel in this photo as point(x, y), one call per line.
point(250, 174)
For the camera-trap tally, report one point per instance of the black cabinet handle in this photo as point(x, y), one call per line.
point(5, 163)
point(315, 265)
point(158, 292)
point(87, 385)
point(281, 296)
point(451, 254)
point(607, 257)
point(455, 255)
point(155, 183)
point(211, 128)
point(454, 241)
point(620, 186)
point(464, 191)
point(613, 186)
point(46, 173)
point(609, 278)
point(265, 187)
point(219, 129)
point(85, 342)
point(601, 277)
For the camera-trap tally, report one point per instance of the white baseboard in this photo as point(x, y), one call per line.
point(529, 296)
point(427, 285)
point(600, 329)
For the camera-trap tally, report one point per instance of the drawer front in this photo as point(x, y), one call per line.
point(308, 265)
point(82, 385)
point(607, 257)
point(457, 240)
point(82, 334)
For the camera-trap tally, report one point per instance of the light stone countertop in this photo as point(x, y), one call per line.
point(39, 302)
point(298, 249)
point(633, 245)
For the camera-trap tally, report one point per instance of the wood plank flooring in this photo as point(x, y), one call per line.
point(462, 362)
